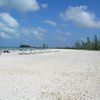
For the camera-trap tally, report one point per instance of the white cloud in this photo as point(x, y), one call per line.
point(45, 5)
point(50, 22)
point(63, 33)
point(37, 33)
point(25, 5)
point(8, 26)
point(8, 20)
point(21, 5)
point(9, 35)
point(7, 29)
point(4, 35)
point(81, 16)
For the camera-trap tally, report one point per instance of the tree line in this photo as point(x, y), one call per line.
point(88, 44)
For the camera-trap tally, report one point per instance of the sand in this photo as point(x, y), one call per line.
point(55, 75)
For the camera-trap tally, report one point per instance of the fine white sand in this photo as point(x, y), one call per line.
point(55, 75)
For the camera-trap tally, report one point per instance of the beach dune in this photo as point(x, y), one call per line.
point(57, 75)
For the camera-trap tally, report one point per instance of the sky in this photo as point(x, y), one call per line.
point(58, 23)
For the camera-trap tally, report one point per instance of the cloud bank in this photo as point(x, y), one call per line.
point(45, 5)
point(81, 16)
point(36, 33)
point(8, 26)
point(50, 22)
point(21, 5)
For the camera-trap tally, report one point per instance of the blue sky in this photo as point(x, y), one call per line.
point(54, 22)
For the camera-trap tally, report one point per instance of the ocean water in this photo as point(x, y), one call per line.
point(14, 48)
point(19, 49)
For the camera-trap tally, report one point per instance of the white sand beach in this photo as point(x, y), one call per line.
point(52, 75)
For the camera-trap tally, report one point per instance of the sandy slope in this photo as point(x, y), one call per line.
point(63, 75)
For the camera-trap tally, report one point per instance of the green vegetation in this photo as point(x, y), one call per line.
point(88, 44)
point(45, 46)
point(24, 46)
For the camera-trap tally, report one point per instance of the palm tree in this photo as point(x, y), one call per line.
point(95, 43)
point(77, 45)
point(88, 44)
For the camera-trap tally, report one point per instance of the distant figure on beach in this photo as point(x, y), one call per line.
point(6, 51)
